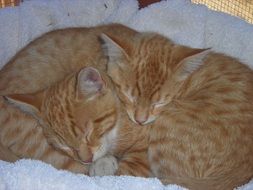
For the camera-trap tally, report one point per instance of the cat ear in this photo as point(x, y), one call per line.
point(180, 52)
point(89, 81)
point(118, 53)
point(114, 48)
point(30, 103)
point(191, 63)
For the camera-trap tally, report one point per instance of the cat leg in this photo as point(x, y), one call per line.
point(107, 165)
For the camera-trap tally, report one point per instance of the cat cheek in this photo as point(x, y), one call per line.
point(130, 112)
point(131, 115)
point(69, 152)
point(156, 111)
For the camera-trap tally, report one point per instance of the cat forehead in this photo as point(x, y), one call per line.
point(152, 66)
point(152, 57)
point(90, 109)
point(145, 92)
point(69, 120)
point(147, 80)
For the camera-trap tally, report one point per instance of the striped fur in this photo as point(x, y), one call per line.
point(24, 138)
point(86, 122)
point(196, 105)
point(43, 62)
point(199, 105)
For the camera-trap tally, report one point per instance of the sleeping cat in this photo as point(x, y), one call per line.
point(22, 137)
point(44, 61)
point(178, 91)
point(199, 105)
point(82, 117)
point(56, 54)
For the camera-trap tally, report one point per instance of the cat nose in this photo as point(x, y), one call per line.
point(86, 159)
point(140, 119)
point(85, 155)
point(89, 160)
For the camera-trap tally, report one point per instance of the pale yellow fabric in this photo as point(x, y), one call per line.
point(240, 8)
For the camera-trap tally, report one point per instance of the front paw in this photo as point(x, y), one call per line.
point(106, 165)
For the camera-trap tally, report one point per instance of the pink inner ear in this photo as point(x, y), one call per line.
point(90, 80)
point(93, 76)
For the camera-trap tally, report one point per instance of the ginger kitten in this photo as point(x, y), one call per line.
point(54, 55)
point(22, 137)
point(82, 117)
point(43, 62)
point(199, 105)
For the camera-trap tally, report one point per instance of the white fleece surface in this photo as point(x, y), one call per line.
point(185, 23)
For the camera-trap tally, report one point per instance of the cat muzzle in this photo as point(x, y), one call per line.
point(89, 161)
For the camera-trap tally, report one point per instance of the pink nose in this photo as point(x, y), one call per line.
point(88, 160)
point(85, 155)
point(140, 119)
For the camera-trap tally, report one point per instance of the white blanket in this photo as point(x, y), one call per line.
point(37, 175)
point(183, 22)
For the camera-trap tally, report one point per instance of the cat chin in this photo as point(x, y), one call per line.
point(102, 150)
point(107, 143)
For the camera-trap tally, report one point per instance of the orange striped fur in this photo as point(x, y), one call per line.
point(82, 117)
point(195, 106)
point(54, 55)
point(23, 138)
point(45, 61)
point(199, 105)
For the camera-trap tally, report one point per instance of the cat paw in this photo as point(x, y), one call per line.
point(107, 165)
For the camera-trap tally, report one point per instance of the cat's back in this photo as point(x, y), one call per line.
point(220, 95)
point(220, 79)
point(212, 119)
point(55, 54)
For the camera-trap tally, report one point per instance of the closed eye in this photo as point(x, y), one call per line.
point(159, 104)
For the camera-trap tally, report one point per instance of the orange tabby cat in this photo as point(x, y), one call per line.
point(81, 116)
point(200, 106)
point(194, 141)
point(41, 63)
point(54, 55)
point(22, 137)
